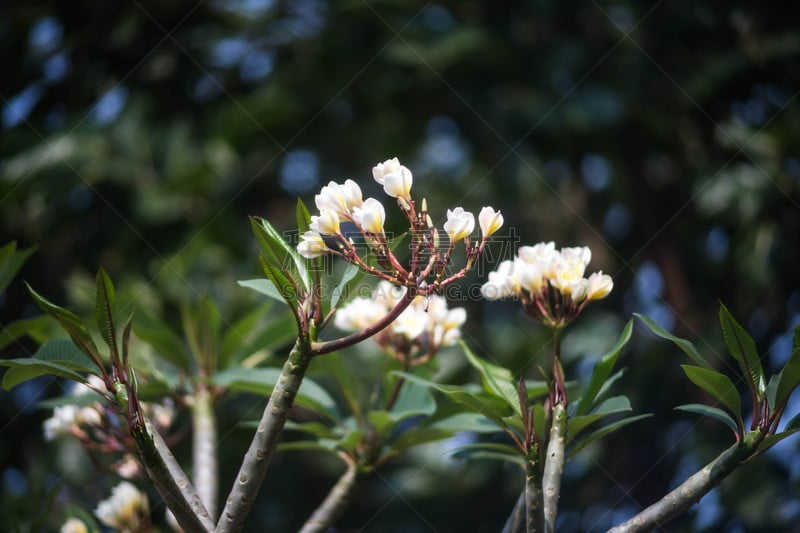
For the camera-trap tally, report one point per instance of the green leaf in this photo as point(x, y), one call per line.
point(103, 311)
point(201, 329)
point(743, 348)
point(162, 339)
point(718, 385)
point(70, 323)
point(685, 345)
point(287, 289)
point(771, 440)
point(349, 273)
point(793, 424)
point(496, 379)
point(307, 445)
point(315, 429)
point(602, 432)
point(473, 422)
point(602, 369)
point(262, 380)
point(414, 399)
point(263, 286)
point(490, 407)
point(58, 357)
point(789, 377)
point(280, 250)
point(241, 333)
point(279, 331)
point(712, 412)
point(616, 404)
point(33, 327)
point(419, 435)
point(489, 450)
point(11, 261)
point(303, 216)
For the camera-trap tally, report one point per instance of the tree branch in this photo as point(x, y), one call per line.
point(554, 465)
point(258, 456)
point(204, 448)
point(319, 348)
point(514, 522)
point(534, 508)
point(331, 508)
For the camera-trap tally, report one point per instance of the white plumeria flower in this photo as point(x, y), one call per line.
point(326, 223)
point(490, 221)
point(411, 323)
point(360, 313)
point(389, 166)
point(502, 282)
point(398, 184)
point(459, 224)
point(312, 245)
point(74, 525)
point(544, 252)
point(124, 508)
point(370, 216)
point(340, 198)
point(598, 286)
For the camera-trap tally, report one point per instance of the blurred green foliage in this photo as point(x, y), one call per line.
point(139, 136)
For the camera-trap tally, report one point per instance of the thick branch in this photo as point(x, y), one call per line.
point(258, 456)
point(331, 508)
point(319, 348)
point(204, 448)
point(690, 491)
point(171, 481)
point(534, 509)
point(554, 465)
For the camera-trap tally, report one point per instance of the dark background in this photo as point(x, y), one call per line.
point(139, 135)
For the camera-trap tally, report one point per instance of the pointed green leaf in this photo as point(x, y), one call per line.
point(711, 412)
point(58, 357)
point(285, 255)
point(103, 311)
point(262, 380)
point(718, 385)
point(262, 286)
point(743, 348)
point(496, 379)
point(11, 261)
point(315, 429)
point(349, 273)
point(201, 329)
point(490, 407)
point(793, 424)
point(303, 216)
point(771, 440)
point(414, 399)
point(162, 339)
point(325, 445)
point(685, 345)
point(473, 422)
point(602, 432)
point(71, 324)
point(616, 404)
point(34, 327)
point(602, 369)
point(419, 435)
point(288, 290)
point(489, 450)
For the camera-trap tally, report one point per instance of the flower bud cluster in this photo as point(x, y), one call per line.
point(550, 283)
point(97, 427)
point(419, 331)
point(340, 203)
point(125, 509)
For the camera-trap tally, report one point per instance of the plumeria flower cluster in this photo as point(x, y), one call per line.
point(126, 510)
point(341, 204)
point(550, 283)
point(417, 334)
point(97, 427)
